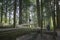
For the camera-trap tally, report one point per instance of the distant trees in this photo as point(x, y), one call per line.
point(43, 8)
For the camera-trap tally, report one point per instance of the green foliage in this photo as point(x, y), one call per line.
point(27, 4)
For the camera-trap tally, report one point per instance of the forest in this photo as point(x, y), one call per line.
point(30, 14)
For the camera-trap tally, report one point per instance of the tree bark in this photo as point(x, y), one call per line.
point(2, 12)
point(38, 12)
point(53, 16)
point(14, 13)
point(58, 14)
point(6, 13)
point(20, 11)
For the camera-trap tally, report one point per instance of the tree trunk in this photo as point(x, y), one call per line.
point(54, 24)
point(9, 16)
point(41, 18)
point(14, 13)
point(6, 13)
point(53, 16)
point(58, 14)
point(2, 12)
point(38, 12)
point(20, 11)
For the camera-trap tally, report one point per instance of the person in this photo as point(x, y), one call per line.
point(29, 20)
point(48, 27)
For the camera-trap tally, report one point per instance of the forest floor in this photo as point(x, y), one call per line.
point(37, 36)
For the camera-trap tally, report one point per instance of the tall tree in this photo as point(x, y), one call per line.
point(2, 12)
point(54, 15)
point(9, 13)
point(14, 13)
point(58, 13)
point(41, 17)
point(6, 12)
point(38, 12)
point(20, 11)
